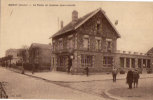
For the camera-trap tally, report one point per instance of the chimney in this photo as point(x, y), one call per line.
point(74, 16)
point(61, 24)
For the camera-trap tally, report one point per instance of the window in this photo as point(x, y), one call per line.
point(53, 61)
point(139, 63)
point(98, 27)
point(98, 43)
point(108, 61)
point(53, 46)
point(122, 62)
point(85, 43)
point(148, 63)
point(109, 45)
point(62, 60)
point(128, 62)
point(86, 60)
point(133, 62)
point(70, 42)
point(60, 45)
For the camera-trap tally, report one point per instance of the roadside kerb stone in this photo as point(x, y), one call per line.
point(75, 81)
point(112, 96)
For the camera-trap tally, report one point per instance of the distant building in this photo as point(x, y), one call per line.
point(150, 52)
point(91, 41)
point(40, 54)
point(14, 54)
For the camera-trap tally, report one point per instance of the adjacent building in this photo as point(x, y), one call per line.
point(91, 41)
point(125, 60)
point(40, 55)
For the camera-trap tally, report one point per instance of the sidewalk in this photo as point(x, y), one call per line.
point(65, 77)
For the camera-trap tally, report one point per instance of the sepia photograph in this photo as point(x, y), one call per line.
point(76, 50)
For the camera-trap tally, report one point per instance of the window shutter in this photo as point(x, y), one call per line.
point(105, 46)
point(111, 45)
point(100, 45)
point(88, 43)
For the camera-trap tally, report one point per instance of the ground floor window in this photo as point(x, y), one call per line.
point(148, 63)
point(122, 62)
point(144, 63)
point(87, 60)
point(62, 60)
point(139, 63)
point(52, 61)
point(128, 62)
point(108, 61)
point(133, 63)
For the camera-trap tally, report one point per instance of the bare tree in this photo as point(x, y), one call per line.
point(33, 55)
point(23, 53)
point(10, 57)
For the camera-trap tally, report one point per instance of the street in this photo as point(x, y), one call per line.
point(19, 86)
point(118, 89)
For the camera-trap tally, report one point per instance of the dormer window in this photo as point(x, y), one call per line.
point(98, 27)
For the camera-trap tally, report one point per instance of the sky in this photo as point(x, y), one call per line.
point(24, 22)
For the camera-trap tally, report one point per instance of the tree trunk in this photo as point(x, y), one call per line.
point(22, 68)
point(10, 62)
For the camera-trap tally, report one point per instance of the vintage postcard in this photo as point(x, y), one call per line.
point(76, 50)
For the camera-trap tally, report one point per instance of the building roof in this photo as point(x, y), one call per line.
point(11, 50)
point(39, 45)
point(150, 51)
point(71, 26)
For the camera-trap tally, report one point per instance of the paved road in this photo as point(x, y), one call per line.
point(20, 86)
point(118, 89)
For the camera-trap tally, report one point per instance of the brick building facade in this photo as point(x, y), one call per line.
point(91, 41)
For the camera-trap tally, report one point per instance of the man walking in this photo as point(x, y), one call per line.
point(87, 70)
point(114, 74)
point(69, 64)
point(129, 78)
point(135, 78)
point(33, 68)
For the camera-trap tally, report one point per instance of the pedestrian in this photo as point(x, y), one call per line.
point(33, 68)
point(87, 70)
point(114, 74)
point(135, 78)
point(69, 64)
point(129, 78)
point(22, 68)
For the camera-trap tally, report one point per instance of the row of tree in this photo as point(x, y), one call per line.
point(4, 60)
point(22, 54)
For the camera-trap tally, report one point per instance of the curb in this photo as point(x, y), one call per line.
point(111, 96)
point(70, 81)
